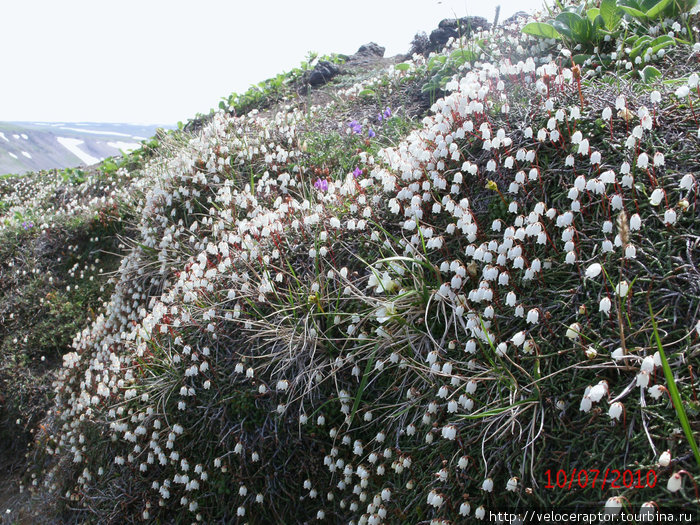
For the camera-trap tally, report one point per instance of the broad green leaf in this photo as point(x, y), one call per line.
point(570, 19)
point(366, 93)
point(402, 67)
point(462, 55)
point(541, 30)
point(645, 42)
point(562, 28)
point(640, 47)
point(664, 41)
point(611, 14)
point(458, 61)
point(580, 28)
point(649, 73)
point(437, 61)
point(592, 13)
point(598, 23)
point(658, 9)
point(632, 3)
point(635, 13)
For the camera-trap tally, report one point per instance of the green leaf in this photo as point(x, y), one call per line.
point(640, 46)
point(579, 28)
point(563, 29)
point(569, 18)
point(611, 14)
point(655, 49)
point(649, 73)
point(437, 61)
point(366, 93)
point(631, 40)
point(541, 30)
point(403, 66)
point(462, 55)
point(663, 39)
point(658, 9)
point(634, 4)
point(592, 13)
point(598, 23)
point(634, 13)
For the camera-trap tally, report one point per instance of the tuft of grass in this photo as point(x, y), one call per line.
point(678, 404)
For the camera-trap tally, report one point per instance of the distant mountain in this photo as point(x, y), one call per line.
point(31, 146)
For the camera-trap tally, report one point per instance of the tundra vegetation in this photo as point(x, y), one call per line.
point(352, 306)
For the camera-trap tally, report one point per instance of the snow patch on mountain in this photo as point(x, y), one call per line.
point(72, 145)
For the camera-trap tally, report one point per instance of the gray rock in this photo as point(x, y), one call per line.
point(420, 44)
point(371, 50)
point(447, 28)
point(322, 73)
point(514, 18)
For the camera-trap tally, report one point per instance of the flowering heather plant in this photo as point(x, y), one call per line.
point(404, 345)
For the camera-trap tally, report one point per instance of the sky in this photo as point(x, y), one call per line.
point(158, 62)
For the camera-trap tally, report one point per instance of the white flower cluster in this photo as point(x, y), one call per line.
point(386, 313)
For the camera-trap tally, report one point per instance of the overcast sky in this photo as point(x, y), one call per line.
point(160, 61)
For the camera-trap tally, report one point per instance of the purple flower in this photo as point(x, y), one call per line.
point(379, 117)
point(371, 133)
point(321, 184)
point(355, 126)
point(387, 112)
point(357, 172)
point(27, 224)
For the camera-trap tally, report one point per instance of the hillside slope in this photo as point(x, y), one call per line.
point(419, 292)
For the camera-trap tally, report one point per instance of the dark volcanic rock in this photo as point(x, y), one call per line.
point(322, 73)
point(371, 50)
point(448, 28)
point(515, 17)
point(420, 44)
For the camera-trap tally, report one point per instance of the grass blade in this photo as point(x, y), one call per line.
point(673, 390)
